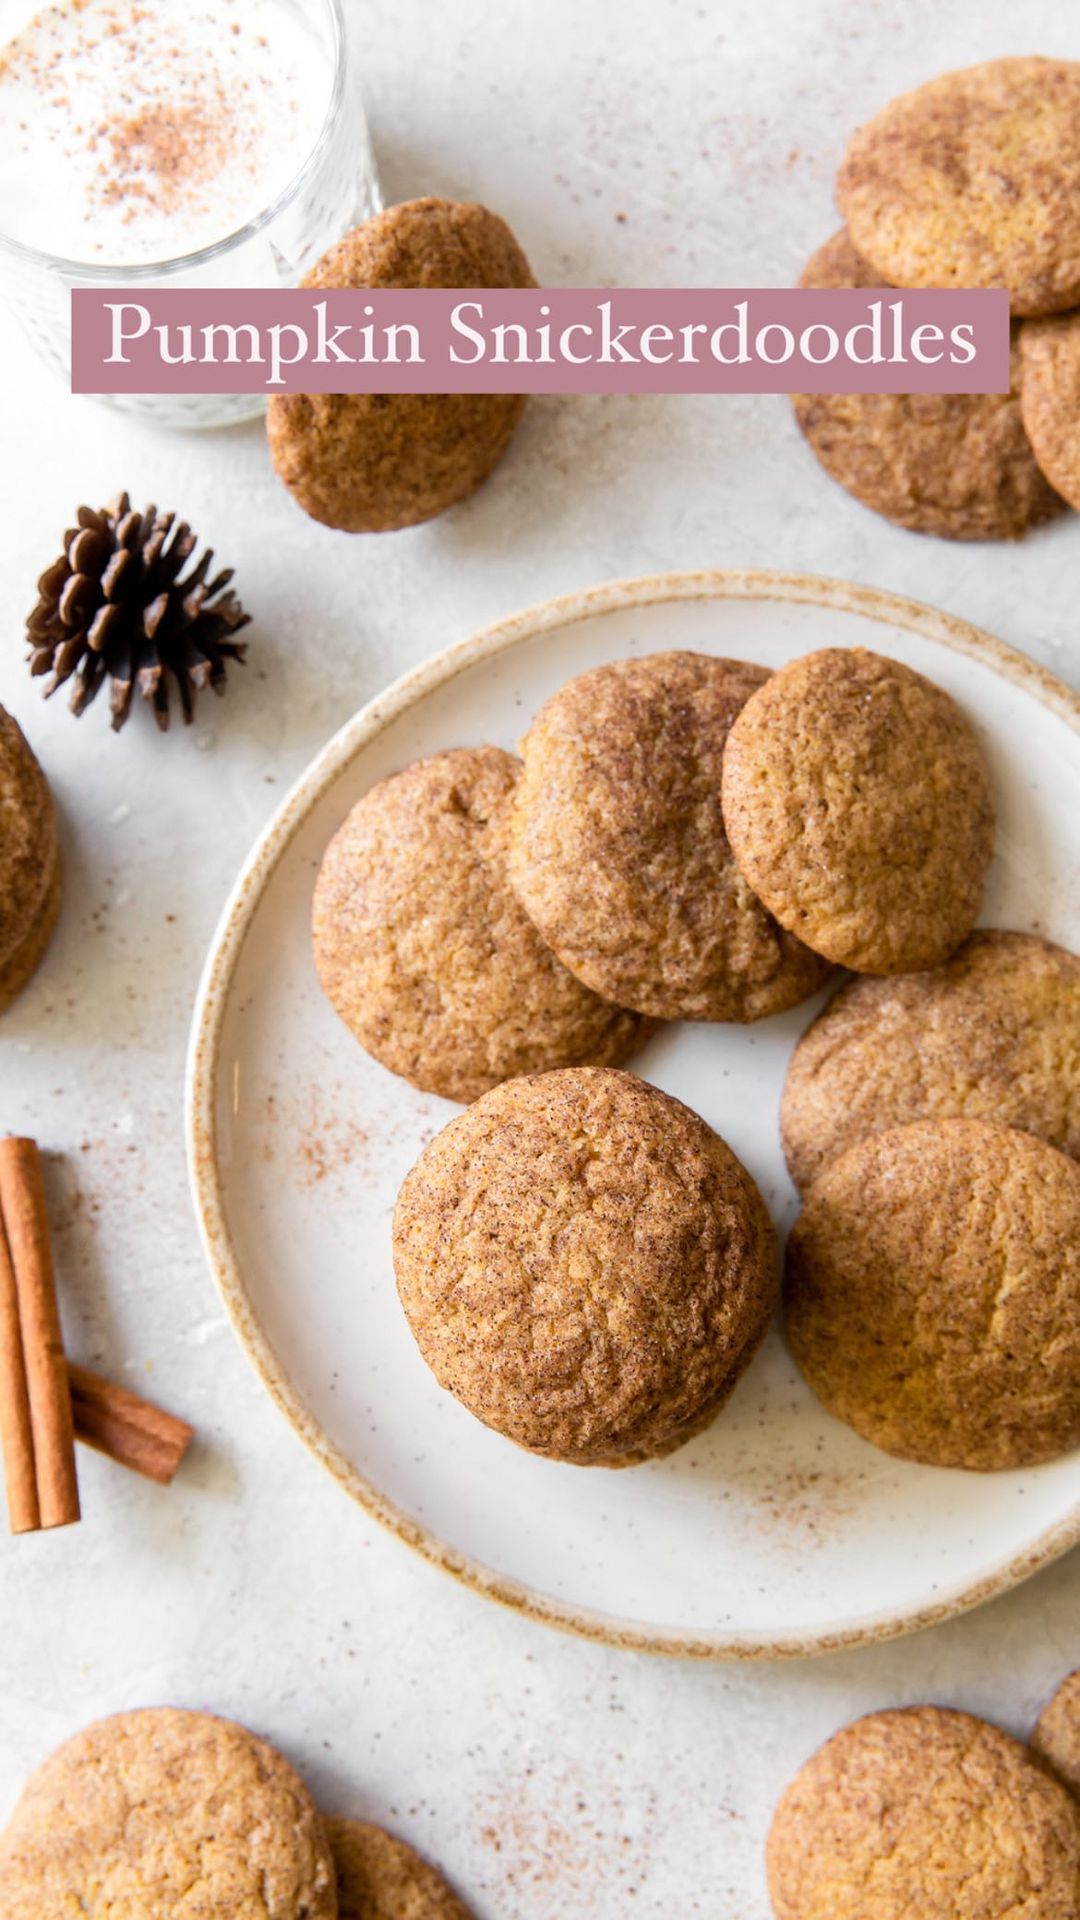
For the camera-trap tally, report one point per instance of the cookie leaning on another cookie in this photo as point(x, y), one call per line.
point(921, 1813)
point(1056, 1738)
point(932, 1294)
point(958, 465)
point(424, 950)
point(381, 1878)
point(618, 849)
point(160, 1812)
point(373, 462)
point(585, 1264)
point(858, 805)
point(970, 181)
point(1050, 398)
point(994, 1034)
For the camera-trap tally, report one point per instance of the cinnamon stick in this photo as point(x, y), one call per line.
point(16, 1435)
point(130, 1430)
point(22, 1207)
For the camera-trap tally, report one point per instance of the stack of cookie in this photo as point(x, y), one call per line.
point(161, 1811)
point(969, 181)
point(930, 1812)
point(584, 1263)
point(31, 881)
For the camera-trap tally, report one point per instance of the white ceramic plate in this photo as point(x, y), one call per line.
point(778, 1531)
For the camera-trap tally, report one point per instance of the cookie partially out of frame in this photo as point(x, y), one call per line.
point(425, 951)
point(1056, 1738)
point(380, 1877)
point(158, 1813)
point(858, 806)
point(958, 465)
point(993, 1034)
point(970, 181)
point(921, 1813)
point(932, 1294)
point(1050, 398)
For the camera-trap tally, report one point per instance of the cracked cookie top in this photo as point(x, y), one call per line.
point(382, 1878)
point(932, 1294)
point(921, 1811)
point(585, 1264)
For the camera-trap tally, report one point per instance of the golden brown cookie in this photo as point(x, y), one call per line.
point(618, 849)
point(22, 963)
point(1050, 398)
point(1056, 1738)
point(970, 181)
point(932, 1294)
point(585, 1264)
point(381, 1878)
point(371, 462)
point(424, 950)
point(994, 1034)
point(161, 1813)
point(858, 805)
point(958, 465)
point(28, 840)
point(921, 1813)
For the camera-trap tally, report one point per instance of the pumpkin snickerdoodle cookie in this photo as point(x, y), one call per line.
point(31, 882)
point(381, 1878)
point(970, 181)
point(372, 462)
point(1056, 1738)
point(858, 806)
point(619, 853)
point(424, 950)
point(158, 1813)
point(1050, 398)
point(932, 1294)
point(923, 1811)
point(585, 1264)
point(958, 465)
point(994, 1034)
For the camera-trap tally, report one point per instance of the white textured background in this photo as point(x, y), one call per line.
point(555, 1780)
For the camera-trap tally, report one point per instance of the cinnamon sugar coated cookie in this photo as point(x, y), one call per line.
point(858, 805)
point(619, 852)
point(958, 465)
point(585, 1264)
point(994, 1034)
point(381, 1878)
point(932, 1294)
point(424, 950)
point(30, 877)
point(921, 1813)
point(372, 462)
point(1050, 398)
point(970, 181)
point(1056, 1738)
point(162, 1813)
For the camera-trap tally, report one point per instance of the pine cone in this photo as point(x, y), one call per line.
point(113, 606)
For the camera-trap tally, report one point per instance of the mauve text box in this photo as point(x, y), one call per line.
point(606, 340)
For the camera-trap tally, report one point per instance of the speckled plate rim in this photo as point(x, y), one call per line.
point(204, 1066)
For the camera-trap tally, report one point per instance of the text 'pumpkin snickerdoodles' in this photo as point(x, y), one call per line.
point(923, 1813)
point(619, 853)
point(971, 181)
point(585, 1264)
point(382, 1878)
point(958, 465)
point(858, 806)
point(160, 1812)
point(372, 462)
point(932, 1294)
point(994, 1034)
point(425, 951)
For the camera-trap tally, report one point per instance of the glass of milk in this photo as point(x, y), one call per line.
point(173, 143)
